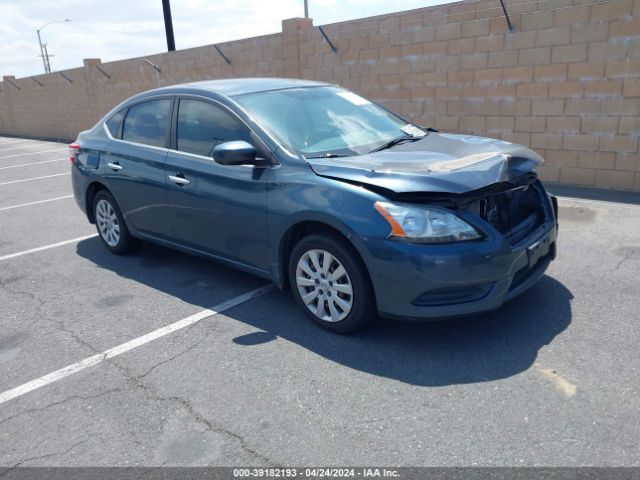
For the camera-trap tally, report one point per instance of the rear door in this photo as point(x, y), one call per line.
point(219, 209)
point(134, 166)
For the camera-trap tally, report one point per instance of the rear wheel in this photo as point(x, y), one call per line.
point(330, 283)
point(110, 224)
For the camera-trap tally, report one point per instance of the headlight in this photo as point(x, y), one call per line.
point(425, 224)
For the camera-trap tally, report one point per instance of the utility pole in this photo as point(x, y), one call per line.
point(43, 46)
point(168, 25)
point(46, 57)
point(44, 60)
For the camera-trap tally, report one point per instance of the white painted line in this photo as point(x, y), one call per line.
point(130, 345)
point(34, 203)
point(34, 178)
point(23, 139)
point(17, 142)
point(22, 145)
point(46, 247)
point(34, 163)
point(602, 203)
point(34, 153)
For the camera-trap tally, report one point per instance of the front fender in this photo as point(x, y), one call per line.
point(344, 207)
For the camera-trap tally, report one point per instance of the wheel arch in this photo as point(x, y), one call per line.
point(302, 228)
point(92, 190)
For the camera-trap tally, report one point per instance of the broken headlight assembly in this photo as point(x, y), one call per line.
point(425, 224)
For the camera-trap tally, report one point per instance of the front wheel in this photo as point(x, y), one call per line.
point(110, 224)
point(330, 283)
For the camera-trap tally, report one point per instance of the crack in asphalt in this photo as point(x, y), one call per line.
point(39, 314)
point(218, 429)
point(191, 411)
point(41, 457)
point(2, 474)
point(60, 402)
point(626, 257)
point(187, 350)
point(33, 296)
point(136, 380)
point(133, 379)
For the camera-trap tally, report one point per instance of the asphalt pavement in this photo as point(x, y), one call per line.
point(550, 379)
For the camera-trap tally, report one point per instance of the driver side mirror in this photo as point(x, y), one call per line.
point(237, 152)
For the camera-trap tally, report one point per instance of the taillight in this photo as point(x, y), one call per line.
point(74, 149)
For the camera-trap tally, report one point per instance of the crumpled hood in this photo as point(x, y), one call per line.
point(439, 162)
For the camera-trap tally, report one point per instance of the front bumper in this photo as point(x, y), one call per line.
point(422, 282)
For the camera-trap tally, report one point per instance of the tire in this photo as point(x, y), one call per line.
point(110, 224)
point(347, 299)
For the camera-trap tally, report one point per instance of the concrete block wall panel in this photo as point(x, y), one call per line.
point(566, 82)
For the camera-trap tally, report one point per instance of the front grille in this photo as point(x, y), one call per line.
point(514, 212)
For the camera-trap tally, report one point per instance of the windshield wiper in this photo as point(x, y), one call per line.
point(329, 155)
point(394, 142)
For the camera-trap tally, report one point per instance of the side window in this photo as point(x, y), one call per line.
point(202, 126)
point(113, 124)
point(146, 122)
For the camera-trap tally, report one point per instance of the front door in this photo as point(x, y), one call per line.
point(216, 208)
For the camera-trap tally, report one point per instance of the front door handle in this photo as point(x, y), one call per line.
point(115, 166)
point(179, 179)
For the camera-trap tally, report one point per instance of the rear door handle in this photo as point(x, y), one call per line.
point(179, 179)
point(115, 166)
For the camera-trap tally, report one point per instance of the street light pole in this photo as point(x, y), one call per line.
point(168, 25)
point(44, 61)
point(43, 46)
point(46, 56)
point(306, 8)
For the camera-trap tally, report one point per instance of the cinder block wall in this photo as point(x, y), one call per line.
point(53, 106)
point(566, 82)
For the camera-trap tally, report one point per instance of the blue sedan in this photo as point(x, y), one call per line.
point(356, 210)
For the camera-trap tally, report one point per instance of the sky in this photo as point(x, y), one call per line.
point(119, 29)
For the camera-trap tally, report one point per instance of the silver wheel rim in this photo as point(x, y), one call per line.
point(324, 285)
point(107, 221)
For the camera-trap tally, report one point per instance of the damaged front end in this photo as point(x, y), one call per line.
point(515, 210)
point(521, 214)
point(489, 185)
point(493, 179)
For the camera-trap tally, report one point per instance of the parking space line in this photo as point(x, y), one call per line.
point(22, 145)
point(34, 163)
point(34, 203)
point(22, 139)
point(46, 247)
point(34, 178)
point(602, 203)
point(130, 345)
point(20, 142)
point(33, 153)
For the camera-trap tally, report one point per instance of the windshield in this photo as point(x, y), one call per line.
point(325, 121)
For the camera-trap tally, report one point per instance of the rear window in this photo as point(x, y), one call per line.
point(113, 124)
point(147, 122)
point(202, 126)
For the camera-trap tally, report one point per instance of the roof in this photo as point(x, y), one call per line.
point(239, 86)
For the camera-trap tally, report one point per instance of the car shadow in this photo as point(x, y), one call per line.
point(479, 348)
